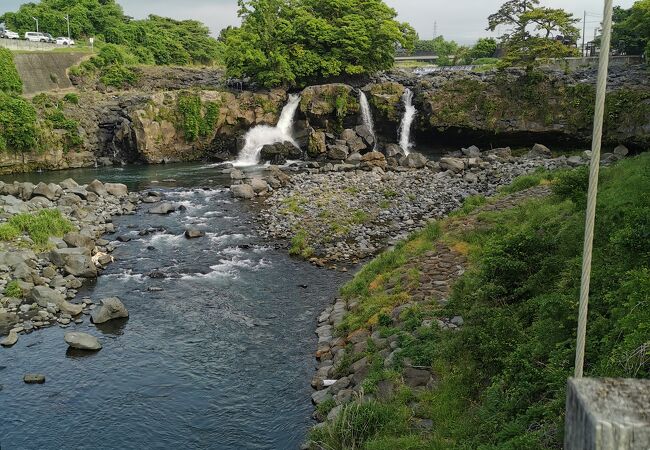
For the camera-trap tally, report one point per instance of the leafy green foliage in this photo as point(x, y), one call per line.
point(532, 32)
point(10, 81)
point(631, 32)
point(197, 120)
point(502, 375)
point(71, 98)
point(154, 40)
point(283, 42)
point(39, 226)
point(359, 422)
point(484, 48)
point(18, 129)
point(13, 290)
point(118, 76)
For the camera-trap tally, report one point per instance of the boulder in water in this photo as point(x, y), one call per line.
point(163, 208)
point(259, 185)
point(193, 233)
point(82, 341)
point(109, 309)
point(152, 197)
point(244, 191)
point(10, 340)
point(279, 152)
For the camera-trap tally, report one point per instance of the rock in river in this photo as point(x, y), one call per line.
point(75, 261)
point(109, 309)
point(163, 208)
point(82, 341)
point(193, 233)
point(34, 378)
point(10, 340)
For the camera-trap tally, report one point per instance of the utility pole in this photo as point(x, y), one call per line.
point(36, 23)
point(584, 32)
point(67, 19)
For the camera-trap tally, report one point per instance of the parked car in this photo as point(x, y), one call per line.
point(49, 37)
point(64, 41)
point(8, 34)
point(33, 36)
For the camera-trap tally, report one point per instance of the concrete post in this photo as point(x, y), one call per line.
point(607, 414)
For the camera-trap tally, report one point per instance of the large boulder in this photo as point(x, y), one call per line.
point(97, 187)
point(337, 152)
point(43, 295)
point(117, 189)
point(259, 185)
point(540, 151)
point(394, 151)
point(82, 341)
point(48, 191)
point(353, 141)
point(374, 159)
point(244, 191)
point(279, 152)
point(364, 133)
point(74, 261)
point(69, 183)
point(163, 208)
point(109, 309)
point(414, 161)
point(317, 145)
point(472, 152)
point(75, 239)
point(456, 165)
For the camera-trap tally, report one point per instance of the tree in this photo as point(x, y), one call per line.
point(484, 48)
point(631, 33)
point(535, 32)
point(290, 42)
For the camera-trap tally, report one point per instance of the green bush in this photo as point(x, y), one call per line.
point(13, 290)
point(10, 81)
point(118, 76)
point(71, 98)
point(18, 129)
point(41, 226)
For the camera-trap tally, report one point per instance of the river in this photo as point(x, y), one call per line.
point(220, 358)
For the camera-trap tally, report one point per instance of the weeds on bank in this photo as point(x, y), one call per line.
point(39, 227)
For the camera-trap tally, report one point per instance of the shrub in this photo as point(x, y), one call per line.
point(71, 98)
point(13, 289)
point(10, 81)
point(18, 131)
point(118, 76)
point(41, 225)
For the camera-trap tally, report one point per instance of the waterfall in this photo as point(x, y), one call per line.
point(262, 135)
point(405, 127)
point(366, 116)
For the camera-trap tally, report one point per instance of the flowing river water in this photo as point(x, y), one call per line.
point(220, 358)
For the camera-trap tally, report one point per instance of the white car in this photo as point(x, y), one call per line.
point(35, 37)
point(8, 34)
point(64, 41)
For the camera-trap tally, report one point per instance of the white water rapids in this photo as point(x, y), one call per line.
point(262, 135)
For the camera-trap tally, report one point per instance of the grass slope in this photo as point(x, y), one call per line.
point(502, 376)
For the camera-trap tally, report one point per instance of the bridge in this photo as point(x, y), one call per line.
point(416, 56)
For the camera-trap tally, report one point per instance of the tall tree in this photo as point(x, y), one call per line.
point(534, 32)
point(631, 32)
point(291, 42)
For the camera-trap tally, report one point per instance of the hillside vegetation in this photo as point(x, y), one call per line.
point(155, 40)
point(500, 376)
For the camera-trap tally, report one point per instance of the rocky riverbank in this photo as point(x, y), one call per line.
point(346, 212)
point(50, 244)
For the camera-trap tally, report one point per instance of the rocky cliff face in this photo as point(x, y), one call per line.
point(181, 124)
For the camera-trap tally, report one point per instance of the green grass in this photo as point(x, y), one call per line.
point(13, 290)
point(300, 246)
point(501, 379)
point(39, 227)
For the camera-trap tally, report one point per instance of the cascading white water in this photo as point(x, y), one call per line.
point(407, 120)
point(262, 135)
point(366, 116)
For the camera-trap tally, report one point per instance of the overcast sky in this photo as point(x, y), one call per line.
point(461, 20)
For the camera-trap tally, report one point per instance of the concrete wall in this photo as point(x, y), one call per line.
point(18, 44)
point(42, 72)
point(591, 62)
